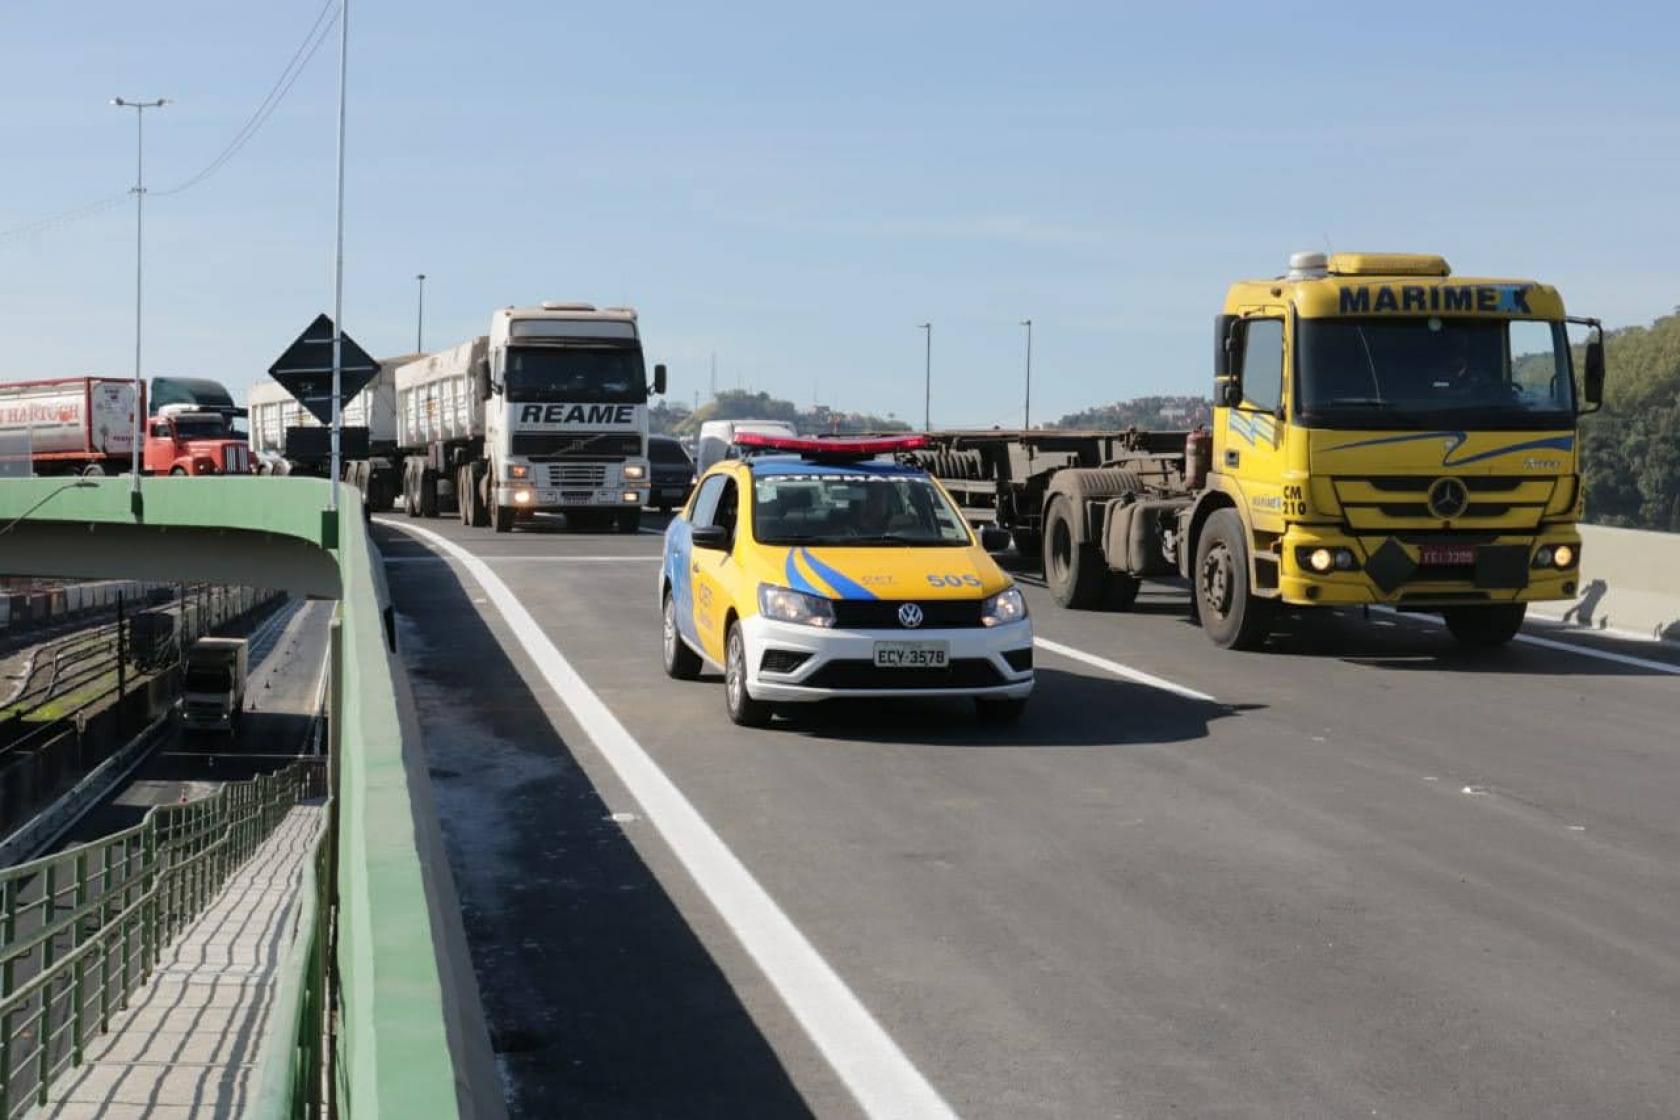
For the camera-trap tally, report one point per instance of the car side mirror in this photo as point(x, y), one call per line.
point(481, 378)
point(659, 379)
point(714, 537)
point(1592, 377)
point(994, 538)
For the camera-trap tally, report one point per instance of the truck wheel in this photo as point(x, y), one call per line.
point(628, 520)
point(93, 470)
point(681, 663)
point(1485, 627)
point(1232, 616)
point(743, 709)
point(463, 495)
point(502, 522)
point(411, 504)
point(178, 472)
point(1074, 572)
point(428, 493)
point(480, 495)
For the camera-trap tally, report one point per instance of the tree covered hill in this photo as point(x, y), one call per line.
point(1631, 449)
point(676, 418)
point(1161, 413)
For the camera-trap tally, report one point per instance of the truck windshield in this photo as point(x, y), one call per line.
point(576, 373)
point(208, 679)
point(853, 509)
point(208, 426)
point(1423, 372)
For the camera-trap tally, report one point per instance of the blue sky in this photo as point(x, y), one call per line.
point(794, 187)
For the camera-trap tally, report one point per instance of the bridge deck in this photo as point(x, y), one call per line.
point(188, 1044)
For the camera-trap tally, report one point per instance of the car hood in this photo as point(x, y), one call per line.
point(882, 573)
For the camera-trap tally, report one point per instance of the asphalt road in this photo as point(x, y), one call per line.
point(1372, 876)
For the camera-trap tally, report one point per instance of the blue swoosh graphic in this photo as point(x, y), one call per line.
point(1557, 443)
point(796, 578)
point(847, 588)
point(1457, 440)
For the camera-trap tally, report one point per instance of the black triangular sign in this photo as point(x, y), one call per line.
point(306, 369)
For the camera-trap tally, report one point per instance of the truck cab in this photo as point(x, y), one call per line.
point(213, 684)
point(183, 439)
point(1387, 433)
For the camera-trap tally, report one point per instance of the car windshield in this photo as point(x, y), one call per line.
point(576, 373)
point(862, 509)
point(208, 680)
point(1417, 372)
point(667, 452)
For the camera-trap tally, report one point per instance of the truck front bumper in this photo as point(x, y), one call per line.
point(1390, 569)
point(520, 496)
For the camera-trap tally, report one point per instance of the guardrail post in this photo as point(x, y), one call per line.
point(43, 1046)
point(148, 907)
point(9, 924)
point(77, 992)
point(105, 949)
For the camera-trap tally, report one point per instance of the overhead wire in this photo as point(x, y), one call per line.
point(324, 22)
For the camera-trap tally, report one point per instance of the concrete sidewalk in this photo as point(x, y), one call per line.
point(188, 1044)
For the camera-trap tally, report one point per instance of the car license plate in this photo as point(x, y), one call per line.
point(1447, 555)
point(912, 655)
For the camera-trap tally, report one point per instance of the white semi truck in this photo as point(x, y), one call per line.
point(546, 412)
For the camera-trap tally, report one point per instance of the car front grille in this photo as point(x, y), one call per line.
point(882, 614)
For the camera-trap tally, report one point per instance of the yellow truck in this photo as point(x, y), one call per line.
point(1383, 433)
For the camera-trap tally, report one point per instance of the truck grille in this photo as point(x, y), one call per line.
point(577, 474)
point(1397, 502)
point(596, 445)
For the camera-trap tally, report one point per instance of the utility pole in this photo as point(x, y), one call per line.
point(1026, 410)
point(927, 375)
point(139, 108)
point(338, 261)
point(420, 317)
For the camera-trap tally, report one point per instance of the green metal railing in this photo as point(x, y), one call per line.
point(82, 930)
point(292, 1082)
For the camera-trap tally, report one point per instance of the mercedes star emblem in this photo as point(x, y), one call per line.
point(1448, 498)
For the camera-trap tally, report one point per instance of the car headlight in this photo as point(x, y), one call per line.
point(519, 470)
point(1006, 606)
point(635, 470)
point(786, 605)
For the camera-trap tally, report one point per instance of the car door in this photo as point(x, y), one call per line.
point(710, 568)
point(682, 563)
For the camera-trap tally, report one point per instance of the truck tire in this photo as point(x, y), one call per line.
point(93, 470)
point(628, 520)
point(1232, 615)
point(463, 504)
point(410, 504)
point(1485, 627)
point(428, 493)
point(502, 519)
point(1074, 572)
point(479, 489)
point(178, 472)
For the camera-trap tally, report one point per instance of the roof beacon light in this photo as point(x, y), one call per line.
point(1308, 266)
point(844, 449)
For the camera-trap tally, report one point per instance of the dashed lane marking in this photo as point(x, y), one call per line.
point(879, 1074)
point(1125, 672)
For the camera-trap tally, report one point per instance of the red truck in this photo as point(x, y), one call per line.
point(84, 425)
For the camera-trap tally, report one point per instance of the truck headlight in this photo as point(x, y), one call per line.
point(519, 470)
point(634, 471)
point(1006, 606)
point(786, 605)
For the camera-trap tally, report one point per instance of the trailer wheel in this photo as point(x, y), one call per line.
point(93, 470)
point(502, 519)
point(428, 493)
point(479, 487)
point(1232, 615)
point(463, 504)
point(1485, 627)
point(1074, 572)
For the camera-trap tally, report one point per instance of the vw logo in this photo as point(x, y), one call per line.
point(910, 616)
point(1448, 498)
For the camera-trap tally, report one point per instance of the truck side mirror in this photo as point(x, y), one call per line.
point(659, 379)
point(481, 378)
point(1592, 377)
point(1227, 382)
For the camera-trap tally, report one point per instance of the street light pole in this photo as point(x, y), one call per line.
point(1026, 410)
point(927, 380)
point(139, 108)
point(338, 262)
point(420, 317)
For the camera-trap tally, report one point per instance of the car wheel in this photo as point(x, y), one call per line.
point(681, 663)
point(743, 709)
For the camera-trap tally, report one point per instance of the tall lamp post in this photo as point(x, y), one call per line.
point(139, 108)
point(927, 379)
point(420, 317)
point(338, 257)
point(1026, 409)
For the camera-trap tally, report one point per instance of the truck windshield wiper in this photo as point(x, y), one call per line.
point(1362, 402)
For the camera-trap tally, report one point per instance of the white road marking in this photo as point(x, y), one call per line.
point(879, 1075)
point(1125, 672)
point(1568, 647)
point(556, 559)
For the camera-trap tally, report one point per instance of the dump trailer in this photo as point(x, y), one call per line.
point(213, 684)
point(1383, 433)
point(85, 426)
point(287, 439)
point(546, 412)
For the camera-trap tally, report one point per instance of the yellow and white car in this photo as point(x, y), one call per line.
point(813, 569)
